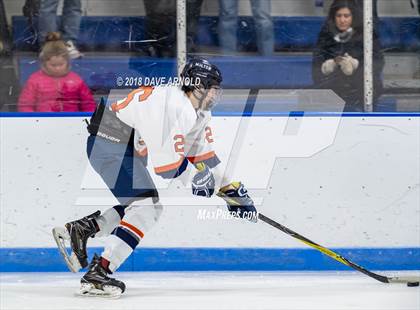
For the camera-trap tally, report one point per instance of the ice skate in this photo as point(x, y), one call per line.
point(77, 232)
point(96, 283)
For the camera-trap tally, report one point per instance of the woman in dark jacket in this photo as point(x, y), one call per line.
point(338, 58)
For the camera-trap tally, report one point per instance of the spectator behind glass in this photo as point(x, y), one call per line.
point(55, 88)
point(70, 22)
point(228, 26)
point(5, 40)
point(338, 57)
point(161, 26)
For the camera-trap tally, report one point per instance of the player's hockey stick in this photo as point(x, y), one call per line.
point(410, 280)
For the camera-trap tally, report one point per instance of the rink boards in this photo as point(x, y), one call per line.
point(348, 182)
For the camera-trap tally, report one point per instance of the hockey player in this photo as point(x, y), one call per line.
point(171, 124)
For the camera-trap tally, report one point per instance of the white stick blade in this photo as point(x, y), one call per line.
point(405, 279)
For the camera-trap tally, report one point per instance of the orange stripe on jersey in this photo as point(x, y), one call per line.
point(147, 91)
point(169, 167)
point(133, 228)
point(198, 158)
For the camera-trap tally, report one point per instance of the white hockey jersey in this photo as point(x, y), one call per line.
point(168, 128)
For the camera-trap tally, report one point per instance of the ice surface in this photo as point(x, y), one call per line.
point(213, 290)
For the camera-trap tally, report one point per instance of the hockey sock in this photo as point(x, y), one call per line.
point(109, 220)
point(120, 209)
point(105, 265)
point(126, 236)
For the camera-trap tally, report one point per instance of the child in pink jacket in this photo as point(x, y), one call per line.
point(55, 88)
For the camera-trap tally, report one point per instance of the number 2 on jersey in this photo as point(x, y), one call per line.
point(209, 135)
point(180, 140)
point(179, 143)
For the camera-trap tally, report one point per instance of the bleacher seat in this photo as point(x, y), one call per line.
point(239, 72)
point(291, 33)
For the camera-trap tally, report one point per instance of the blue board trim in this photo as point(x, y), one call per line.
point(226, 114)
point(221, 259)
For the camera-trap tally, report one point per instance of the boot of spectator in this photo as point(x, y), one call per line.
point(74, 53)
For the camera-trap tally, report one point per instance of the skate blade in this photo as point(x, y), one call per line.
point(61, 235)
point(89, 290)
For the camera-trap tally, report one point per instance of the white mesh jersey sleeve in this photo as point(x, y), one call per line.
point(156, 114)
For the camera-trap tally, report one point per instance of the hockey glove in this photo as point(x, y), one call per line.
point(203, 182)
point(238, 201)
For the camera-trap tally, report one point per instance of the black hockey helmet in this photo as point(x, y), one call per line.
point(200, 71)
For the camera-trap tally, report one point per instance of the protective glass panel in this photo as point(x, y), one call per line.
point(258, 45)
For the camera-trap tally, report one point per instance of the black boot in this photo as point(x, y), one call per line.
point(79, 232)
point(96, 281)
